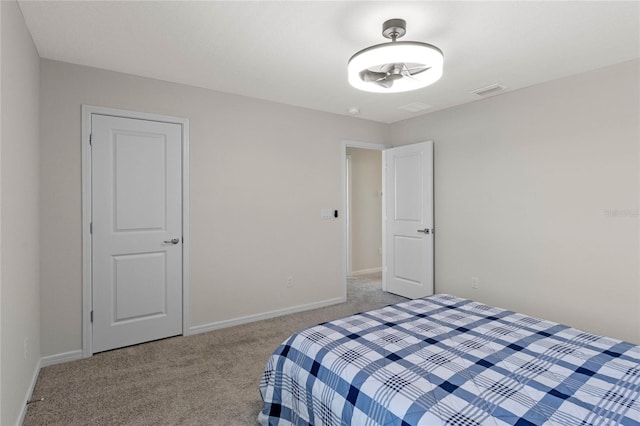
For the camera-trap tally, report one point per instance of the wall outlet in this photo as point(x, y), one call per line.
point(289, 281)
point(26, 347)
point(475, 282)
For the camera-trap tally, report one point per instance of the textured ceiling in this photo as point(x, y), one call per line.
point(296, 52)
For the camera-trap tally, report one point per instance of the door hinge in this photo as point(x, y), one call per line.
point(91, 228)
point(91, 316)
point(91, 139)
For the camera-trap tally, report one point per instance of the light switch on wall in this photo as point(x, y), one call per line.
point(326, 213)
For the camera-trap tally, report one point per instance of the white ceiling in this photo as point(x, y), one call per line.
point(296, 52)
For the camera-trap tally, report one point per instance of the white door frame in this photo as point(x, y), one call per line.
point(347, 212)
point(87, 111)
point(345, 203)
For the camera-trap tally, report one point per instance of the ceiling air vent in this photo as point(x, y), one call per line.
point(415, 107)
point(489, 90)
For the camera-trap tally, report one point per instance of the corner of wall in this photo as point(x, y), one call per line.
point(19, 193)
point(0, 209)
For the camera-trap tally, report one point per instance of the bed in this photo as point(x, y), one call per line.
point(443, 360)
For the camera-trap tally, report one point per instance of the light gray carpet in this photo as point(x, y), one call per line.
point(206, 379)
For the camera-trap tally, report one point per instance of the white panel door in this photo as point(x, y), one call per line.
point(137, 230)
point(408, 265)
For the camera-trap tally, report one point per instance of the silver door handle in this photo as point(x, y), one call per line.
point(172, 241)
point(424, 231)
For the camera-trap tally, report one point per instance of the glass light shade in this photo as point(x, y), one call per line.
point(408, 52)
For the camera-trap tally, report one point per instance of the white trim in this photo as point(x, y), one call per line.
point(366, 271)
point(347, 210)
point(87, 111)
point(364, 145)
point(45, 362)
point(86, 235)
point(384, 220)
point(32, 387)
point(186, 255)
point(61, 358)
point(263, 316)
point(345, 201)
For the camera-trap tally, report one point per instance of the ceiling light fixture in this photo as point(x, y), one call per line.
point(397, 66)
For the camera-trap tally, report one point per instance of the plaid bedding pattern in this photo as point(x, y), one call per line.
point(443, 360)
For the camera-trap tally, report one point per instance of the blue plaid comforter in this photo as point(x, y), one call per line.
point(449, 361)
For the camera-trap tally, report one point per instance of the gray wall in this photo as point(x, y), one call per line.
point(18, 213)
point(536, 194)
point(260, 174)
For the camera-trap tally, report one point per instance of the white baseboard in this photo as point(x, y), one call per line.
point(78, 354)
point(60, 358)
point(366, 271)
point(27, 397)
point(44, 362)
point(265, 315)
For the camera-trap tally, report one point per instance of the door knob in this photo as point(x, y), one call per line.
point(424, 231)
point(172, 241)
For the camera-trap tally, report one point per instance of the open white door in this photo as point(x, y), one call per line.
point(137, 230)
point(408, 183)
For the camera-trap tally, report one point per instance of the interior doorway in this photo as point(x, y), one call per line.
point(364, 211)
point(363, 226)
point(135, 227)
point(406, 220)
